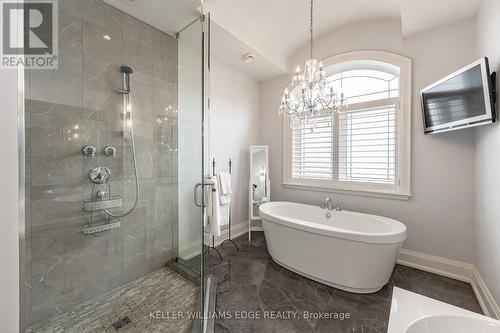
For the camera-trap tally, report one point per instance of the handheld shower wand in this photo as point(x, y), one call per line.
point(127, 118)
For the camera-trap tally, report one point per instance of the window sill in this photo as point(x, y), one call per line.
point(348, 191)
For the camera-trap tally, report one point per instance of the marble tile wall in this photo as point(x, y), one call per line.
point(77, 105)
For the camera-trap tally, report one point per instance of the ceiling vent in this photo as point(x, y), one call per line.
point(249, 58)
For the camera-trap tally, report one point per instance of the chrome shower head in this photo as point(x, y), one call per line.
point(126, 69)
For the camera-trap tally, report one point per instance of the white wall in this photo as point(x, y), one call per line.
point(487, 228)
point(234, 128)
point(9, 204)
point(440, 215)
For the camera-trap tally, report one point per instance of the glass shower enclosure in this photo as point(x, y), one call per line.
point(114, 148)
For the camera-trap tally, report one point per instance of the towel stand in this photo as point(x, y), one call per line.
point(212, 247)
point(227, 240)
point(230, 211)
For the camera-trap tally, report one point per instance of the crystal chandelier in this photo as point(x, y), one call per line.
point(308, 94)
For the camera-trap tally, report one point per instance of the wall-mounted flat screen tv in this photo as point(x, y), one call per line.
point(463, 99)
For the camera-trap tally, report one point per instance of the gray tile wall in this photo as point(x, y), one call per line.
point(76, 105)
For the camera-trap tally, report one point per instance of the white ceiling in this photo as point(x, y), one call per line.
point(169, 16)
point(228, 49)
point(275, 29)
point(285, 23)
point(420, 15)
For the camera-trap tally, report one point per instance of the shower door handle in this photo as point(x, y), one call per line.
point(195, 194)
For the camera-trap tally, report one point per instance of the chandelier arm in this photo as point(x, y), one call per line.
point(327, 95)
point(316, 100)
point(326, 105)
point(327, 100)
point(296, 109)
point(311, 46)
point(291, 109)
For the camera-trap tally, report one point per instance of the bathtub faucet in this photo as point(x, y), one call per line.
point(327, 204)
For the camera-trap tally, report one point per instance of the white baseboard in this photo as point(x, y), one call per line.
point(236, 231)
point(192, 249)
point(483, 294)
point(189, 250)
point(438, 265)
point(456, 270)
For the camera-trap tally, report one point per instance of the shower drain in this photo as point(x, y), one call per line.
point(122, 322)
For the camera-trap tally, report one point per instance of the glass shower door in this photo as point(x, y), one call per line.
point(191, 118)
point(194, 150)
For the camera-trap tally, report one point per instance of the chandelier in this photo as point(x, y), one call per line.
point(309, 94)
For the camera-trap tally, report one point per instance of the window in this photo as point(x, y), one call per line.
point(366, 148)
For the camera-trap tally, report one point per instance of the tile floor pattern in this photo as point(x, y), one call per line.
point(162, 290)
point(252, 281)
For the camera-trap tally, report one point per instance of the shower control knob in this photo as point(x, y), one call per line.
point(99, 175)
point(101, 194)
point(110, 151)
point(89, 151)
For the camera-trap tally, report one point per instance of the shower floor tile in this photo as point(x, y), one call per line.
point(147, 302)
point(250, 281)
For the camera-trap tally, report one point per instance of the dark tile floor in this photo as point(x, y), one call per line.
point(252, 282)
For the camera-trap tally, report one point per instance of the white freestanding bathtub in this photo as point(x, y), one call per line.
point(348, 250)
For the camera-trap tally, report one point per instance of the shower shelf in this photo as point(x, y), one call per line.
point(93, 205)
point(97, 227)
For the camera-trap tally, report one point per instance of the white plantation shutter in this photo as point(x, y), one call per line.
point(367, 145)
point(363, 143)
point(313, 148)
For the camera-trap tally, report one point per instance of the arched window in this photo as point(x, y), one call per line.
point(365, 148)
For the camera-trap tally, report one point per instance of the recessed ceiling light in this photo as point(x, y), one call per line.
point(249, 58)
point(106, 37)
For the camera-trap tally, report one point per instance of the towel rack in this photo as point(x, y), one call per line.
point(227, 240)
point(230, 210)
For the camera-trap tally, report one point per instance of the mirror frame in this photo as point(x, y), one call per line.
point(251, 216)
point(254, 149)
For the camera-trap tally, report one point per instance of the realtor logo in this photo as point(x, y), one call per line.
point(29, 34)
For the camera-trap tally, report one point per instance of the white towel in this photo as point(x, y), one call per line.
point(225, 197)
point(213, 206)
point(225, 183)
point(225, 188)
